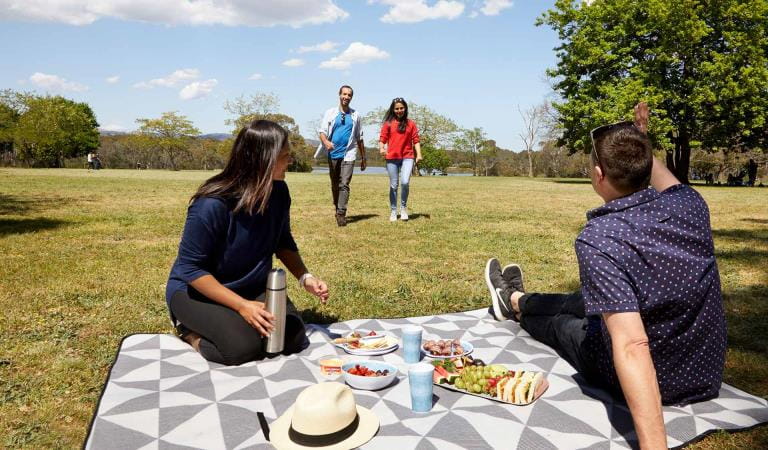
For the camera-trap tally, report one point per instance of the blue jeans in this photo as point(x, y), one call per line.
point(404, 166)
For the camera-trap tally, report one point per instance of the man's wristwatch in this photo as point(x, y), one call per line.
point(303, 279)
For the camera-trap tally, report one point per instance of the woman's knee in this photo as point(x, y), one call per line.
point(242, 351)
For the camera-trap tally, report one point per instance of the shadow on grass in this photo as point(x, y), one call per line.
point(761, 221)
point(359, 217)
point(22, 226)
point(318, 317)
point(13, 205)
point(746, 309)
point(748, 241)
point(419, 216)
point(572, 181)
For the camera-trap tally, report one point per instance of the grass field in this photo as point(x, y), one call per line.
point(84, 259)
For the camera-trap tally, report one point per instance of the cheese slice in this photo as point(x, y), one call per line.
point(535, 383)
point(509, 388)
point(521, 389)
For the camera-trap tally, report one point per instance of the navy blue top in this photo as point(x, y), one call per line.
point(236, 249)
point(653, 253)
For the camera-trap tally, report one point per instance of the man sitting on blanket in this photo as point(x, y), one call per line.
point(648, 321)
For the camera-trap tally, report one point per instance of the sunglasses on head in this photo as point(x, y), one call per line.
point(598, 132)
point(399, 99)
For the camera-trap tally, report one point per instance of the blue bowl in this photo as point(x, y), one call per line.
point(369, 383)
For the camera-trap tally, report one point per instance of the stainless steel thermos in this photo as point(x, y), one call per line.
point(276, 303)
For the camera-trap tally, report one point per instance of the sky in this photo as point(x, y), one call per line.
point(475, 61)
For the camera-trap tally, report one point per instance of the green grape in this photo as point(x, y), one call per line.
point(476, 388)
point(459, 384)
point(482, 382)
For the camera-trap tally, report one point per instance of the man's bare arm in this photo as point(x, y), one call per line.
point(326, 142)
point(637, 376)
point(661, 178)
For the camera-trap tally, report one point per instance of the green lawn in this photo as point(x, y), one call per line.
point(84, 259)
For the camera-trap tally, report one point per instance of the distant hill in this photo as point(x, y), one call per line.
point(312, 142)
point(112, 133)
point(216, 136)
point(213, 136)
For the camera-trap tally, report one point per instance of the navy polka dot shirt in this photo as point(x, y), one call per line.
point(653, 253)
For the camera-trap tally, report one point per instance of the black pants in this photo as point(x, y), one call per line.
point(558, 320)
point(226, 337)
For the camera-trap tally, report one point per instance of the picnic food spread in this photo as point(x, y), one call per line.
point(370, 343)
point(366, 372)
point(443, 347)
point(330, 366)
point(496, 381)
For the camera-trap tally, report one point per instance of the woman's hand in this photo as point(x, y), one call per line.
point(418, 159)
point(254, 313)
point(317, 287)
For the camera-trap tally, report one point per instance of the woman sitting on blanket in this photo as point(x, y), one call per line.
point(235, 222)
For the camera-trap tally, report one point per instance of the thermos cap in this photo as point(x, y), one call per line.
point(276, 280)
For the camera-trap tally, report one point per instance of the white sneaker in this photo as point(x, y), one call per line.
point(393, 216)
point(403, 214)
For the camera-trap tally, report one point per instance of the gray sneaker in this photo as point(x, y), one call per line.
point(500, 307)
point(513, 276)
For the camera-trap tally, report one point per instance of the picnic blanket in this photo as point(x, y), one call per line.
point(162, 394)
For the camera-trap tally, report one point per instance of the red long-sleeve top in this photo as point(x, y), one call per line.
point(399, 145)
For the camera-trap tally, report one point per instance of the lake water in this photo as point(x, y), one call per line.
point(378, 171)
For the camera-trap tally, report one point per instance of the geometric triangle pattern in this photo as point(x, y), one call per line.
point(162, 394)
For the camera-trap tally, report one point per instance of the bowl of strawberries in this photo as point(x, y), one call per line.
point(369, 375)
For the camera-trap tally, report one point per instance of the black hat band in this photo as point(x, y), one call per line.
point(323, 440)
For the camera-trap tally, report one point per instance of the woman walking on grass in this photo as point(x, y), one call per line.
point(399, 144)
point(236, 221)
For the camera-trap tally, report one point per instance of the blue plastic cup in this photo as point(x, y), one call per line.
point(420, 380)
point(412, 344)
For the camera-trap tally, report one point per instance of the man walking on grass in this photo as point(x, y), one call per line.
point(341, 136)
point(648, 322)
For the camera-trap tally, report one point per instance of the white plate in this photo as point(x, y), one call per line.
point(378, 351)
point(468, 348)
point(371, 352)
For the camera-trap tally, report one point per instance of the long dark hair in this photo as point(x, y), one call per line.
point(247, 176)
point(391, 114)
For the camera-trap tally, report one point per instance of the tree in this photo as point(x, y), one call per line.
point(471, 141)
point(533, 126)
point(50, 129)
point(488, 156)
point(265, 106)
point(434, 159)
point(702, 66)
point(170, 135)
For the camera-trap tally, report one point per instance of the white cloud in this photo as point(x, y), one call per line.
point(171, 80)
point(113, 79)
point(55, 83)
point(494, 7)
point(412, 11)
point(293, 62)
point(325, 47)
point(260, 13)
point(356, 53)
point(198, 89)
point(256, 76)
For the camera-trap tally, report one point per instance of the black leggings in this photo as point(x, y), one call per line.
point(226, 337)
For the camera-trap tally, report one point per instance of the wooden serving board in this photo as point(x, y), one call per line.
point(539, 391)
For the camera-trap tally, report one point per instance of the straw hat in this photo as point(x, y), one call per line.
point(324, 416)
